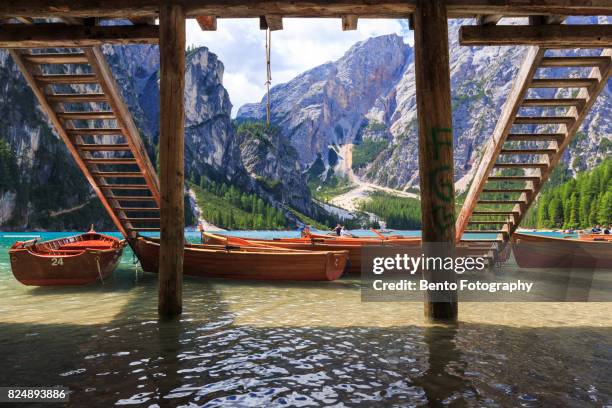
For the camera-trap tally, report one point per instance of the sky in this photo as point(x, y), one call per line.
point(301, 45)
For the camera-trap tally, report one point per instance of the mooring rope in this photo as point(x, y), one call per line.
point(268, 73)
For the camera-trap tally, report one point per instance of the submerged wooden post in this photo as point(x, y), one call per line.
point(433, 94)
point(171, 152)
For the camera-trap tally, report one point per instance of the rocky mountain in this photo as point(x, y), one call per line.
point(369, 93)
point(50, 192)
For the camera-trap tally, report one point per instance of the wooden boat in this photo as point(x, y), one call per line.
point(248, 262)
point(379, 239)
point(76, 260)
point(353, 246)
point(537, 251)
point(595, 237)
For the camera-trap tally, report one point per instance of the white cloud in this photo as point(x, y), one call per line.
point(301, 45)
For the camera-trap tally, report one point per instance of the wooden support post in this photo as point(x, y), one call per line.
point(207, 23)
point(433, 94)
point(171, 152)
point(272, 22)
point(349, 22)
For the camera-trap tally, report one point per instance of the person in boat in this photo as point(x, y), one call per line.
point(305, 231)
point(338, 230)
point(608, 230)
point(596, 230)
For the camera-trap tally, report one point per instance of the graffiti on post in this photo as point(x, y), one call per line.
point(441, 181)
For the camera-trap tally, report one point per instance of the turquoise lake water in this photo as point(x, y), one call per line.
point(262, 344)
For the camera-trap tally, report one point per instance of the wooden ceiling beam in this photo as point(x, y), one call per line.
point(349, 22)
point(489, 19)
point(298, 8)
point(61, 35)
point(552, 19)
point(207, 23)
point(142, 20)
point(24, 20)
point(274, 23)
point(550, 36)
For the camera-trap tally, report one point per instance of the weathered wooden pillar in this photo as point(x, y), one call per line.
point(433, 93)
point(171, 152)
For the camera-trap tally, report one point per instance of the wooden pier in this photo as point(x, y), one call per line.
point(114, 160)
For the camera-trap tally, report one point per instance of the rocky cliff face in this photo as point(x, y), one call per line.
point(328, 104)
point(209, 142)
point(372, 88)
point(274, 164)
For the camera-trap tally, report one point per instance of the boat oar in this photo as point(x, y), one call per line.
point(378, 233)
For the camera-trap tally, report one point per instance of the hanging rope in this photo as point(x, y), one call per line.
point(99, 270)
point(268, 73)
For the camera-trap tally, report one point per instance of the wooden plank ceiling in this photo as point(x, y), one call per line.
point(298, 8)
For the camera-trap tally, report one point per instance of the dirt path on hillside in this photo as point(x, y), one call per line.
point(350, 199)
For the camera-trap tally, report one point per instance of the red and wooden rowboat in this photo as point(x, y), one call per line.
point(248, 262)
point(353, 246)
point(537, 251)
point(595, 237)
point(76, 260)
point(378, 240)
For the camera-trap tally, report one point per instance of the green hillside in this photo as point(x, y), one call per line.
point(227, 207)
point(398, 212)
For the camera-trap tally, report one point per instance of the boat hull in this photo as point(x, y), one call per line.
point(234, 262)
point(354, 249)
point(78, 260)
point(533, 251)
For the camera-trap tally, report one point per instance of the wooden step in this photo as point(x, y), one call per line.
point(507, 190)
point(544, 120)
point(482, 241)
point(520, 165)
point(130, 198)
point(86, 115)
point(501, 201)
point(94, 131)
point(56, 58)
point(493, 212)
point(485, 232)
point(563, 83)
point(548, 62)
point(135, 209)
point(534, 137)
point(125, 187)
point(527, 151)
point(92, 147)
point(488, 222)
point(139, 219)
point(77, 98)
point(553, 102)
point(110, 161)
point(66, 79)
point(514, 178)
point(117, 174)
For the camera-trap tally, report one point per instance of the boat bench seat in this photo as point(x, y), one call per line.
point(93, 244)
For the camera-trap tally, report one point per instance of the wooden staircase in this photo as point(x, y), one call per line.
point(516, 163)
point(77, 91)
